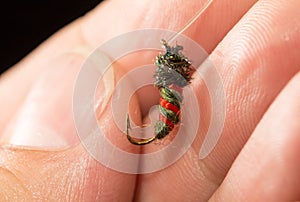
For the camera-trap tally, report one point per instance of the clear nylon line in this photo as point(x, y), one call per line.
point(192, 20)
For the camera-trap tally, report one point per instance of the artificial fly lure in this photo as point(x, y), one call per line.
point(173, 73)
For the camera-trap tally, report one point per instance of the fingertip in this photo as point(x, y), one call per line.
point(267, 168)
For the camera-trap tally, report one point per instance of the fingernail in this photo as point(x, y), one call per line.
point(46, 118)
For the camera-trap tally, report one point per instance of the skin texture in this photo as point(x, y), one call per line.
point(254, 46)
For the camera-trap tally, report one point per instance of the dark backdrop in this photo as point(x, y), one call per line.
point(25, 24)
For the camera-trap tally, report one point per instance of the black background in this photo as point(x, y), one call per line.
point(25, 24)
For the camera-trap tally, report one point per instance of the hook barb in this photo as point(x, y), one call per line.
point(133, 140)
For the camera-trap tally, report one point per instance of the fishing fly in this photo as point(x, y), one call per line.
point(173, 73)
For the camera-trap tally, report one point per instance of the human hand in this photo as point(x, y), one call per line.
point(256, 156)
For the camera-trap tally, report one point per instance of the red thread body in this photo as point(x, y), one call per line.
point(167, 121)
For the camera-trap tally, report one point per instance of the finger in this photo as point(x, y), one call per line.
point(208, 30)
point(72, 175)
point(255, 60)
point(267, 169)
point(45, 135)
point(18, 81)
point(96, 27)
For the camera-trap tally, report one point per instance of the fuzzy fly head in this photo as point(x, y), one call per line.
point(172, 67)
